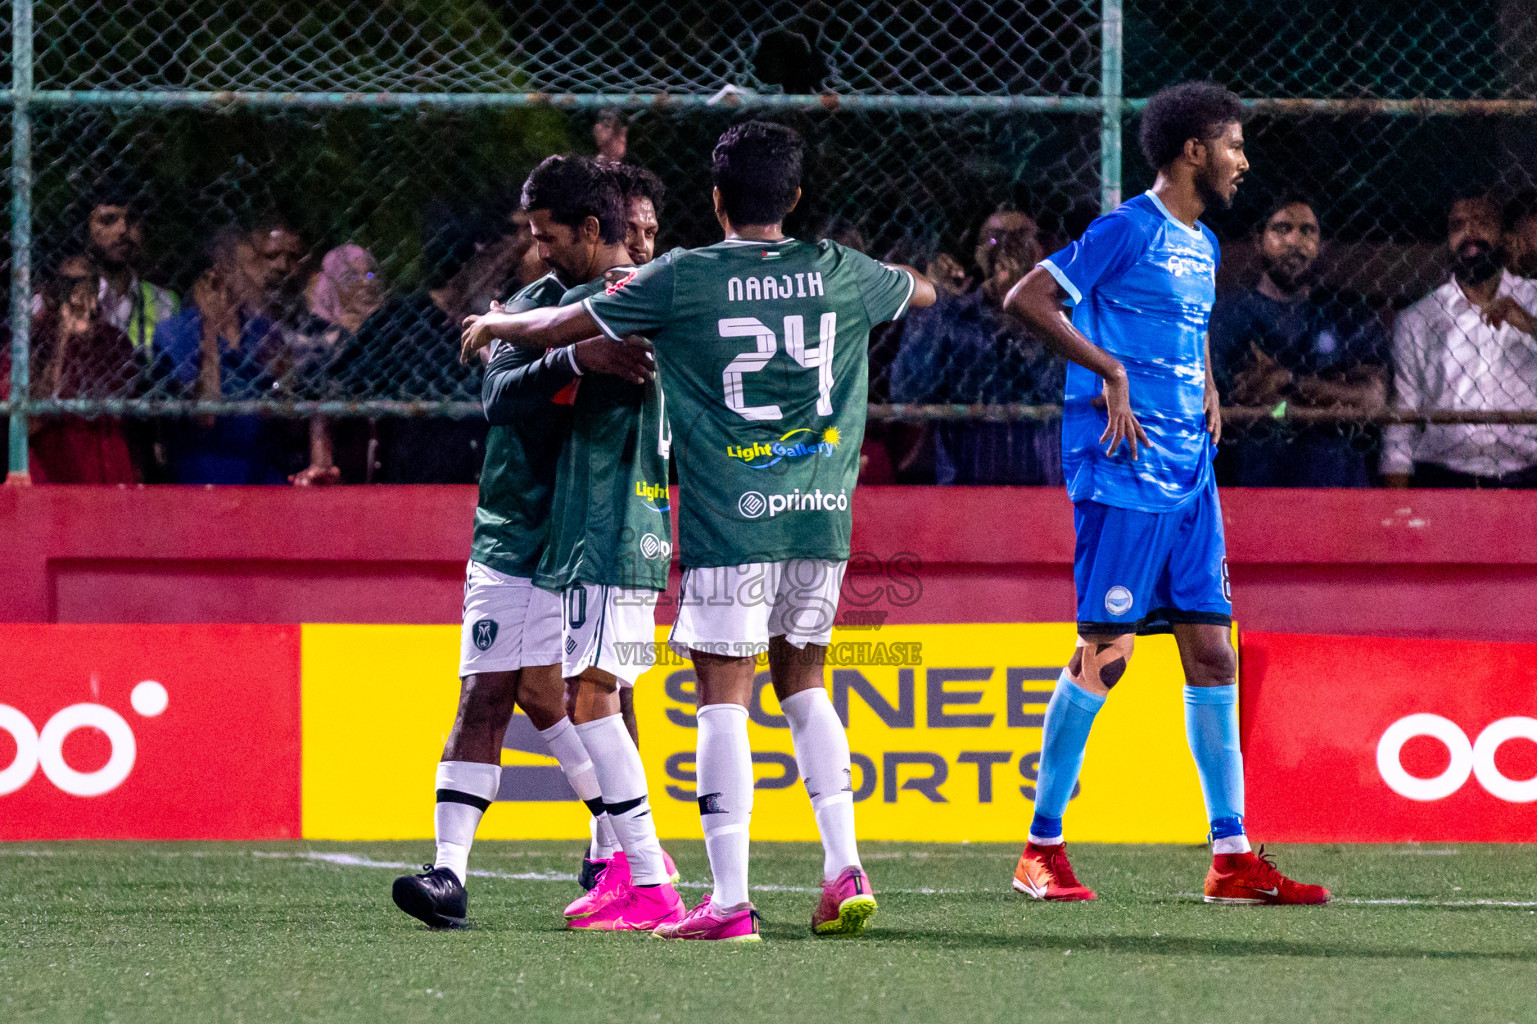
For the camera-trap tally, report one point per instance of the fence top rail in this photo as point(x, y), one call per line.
point(724, 99)
point(732, 99)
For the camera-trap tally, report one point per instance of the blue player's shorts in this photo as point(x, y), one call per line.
point(1142, 572)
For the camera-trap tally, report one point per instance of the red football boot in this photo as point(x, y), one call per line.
point(1253, 878)
point(1044, 873)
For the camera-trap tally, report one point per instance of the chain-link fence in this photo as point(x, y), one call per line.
point(356, 166)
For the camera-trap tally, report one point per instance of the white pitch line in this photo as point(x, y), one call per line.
point(354, 860)
point(1409, 902)
point(1444, 903)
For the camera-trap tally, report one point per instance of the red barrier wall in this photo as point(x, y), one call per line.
point(1448, 564)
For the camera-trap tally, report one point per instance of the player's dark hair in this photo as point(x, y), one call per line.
point(635, 182)
point(757, 167)
point(1189, 110)
point(574, 188)
point(1280, 202)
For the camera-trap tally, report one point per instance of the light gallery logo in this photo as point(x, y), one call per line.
point(45, 748)
point(1466, 757)
point(800, 443)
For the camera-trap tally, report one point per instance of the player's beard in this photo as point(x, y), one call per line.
point(1212, 196)
point(1477, 261)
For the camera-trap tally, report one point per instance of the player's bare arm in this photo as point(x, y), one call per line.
point(1037, 300)
point(924, 294)
point(631, 359)
point(1212, 401)
point(549, 327)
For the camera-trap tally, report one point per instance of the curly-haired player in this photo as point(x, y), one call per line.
point(1140, 426)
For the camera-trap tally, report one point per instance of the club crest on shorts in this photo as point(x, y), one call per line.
point(1117, 600)
point(483, 633)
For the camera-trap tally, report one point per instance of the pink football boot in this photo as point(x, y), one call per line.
point(635, 908)
point(613, 879)
point(847, 903)
point(731, 924)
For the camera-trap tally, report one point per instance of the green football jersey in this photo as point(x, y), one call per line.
point(512, 516)
point(609, 520)
point(763, 349)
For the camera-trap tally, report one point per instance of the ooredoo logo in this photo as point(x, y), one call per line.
point(1467, 757)
point(45, 749)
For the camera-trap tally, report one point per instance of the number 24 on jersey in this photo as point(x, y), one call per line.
point(819, 358)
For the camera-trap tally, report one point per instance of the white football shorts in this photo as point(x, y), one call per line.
point(508, 623)
point(732, 610)
point(612, 629)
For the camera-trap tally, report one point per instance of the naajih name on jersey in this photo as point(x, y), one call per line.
point(757, 289)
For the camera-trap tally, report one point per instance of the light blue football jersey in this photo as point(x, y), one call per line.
point(1142, 284)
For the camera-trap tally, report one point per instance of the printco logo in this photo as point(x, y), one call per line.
point(45, 749)
point(753, 504)
point(1475, 758)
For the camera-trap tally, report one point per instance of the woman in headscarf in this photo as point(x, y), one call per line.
point(348, 289)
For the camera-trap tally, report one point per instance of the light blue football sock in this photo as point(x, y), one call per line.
point(1069, 717)
point(1211, 725)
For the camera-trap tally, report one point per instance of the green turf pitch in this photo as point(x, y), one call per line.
point(307, 932)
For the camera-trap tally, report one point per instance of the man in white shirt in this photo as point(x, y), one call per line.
point(1470, 345)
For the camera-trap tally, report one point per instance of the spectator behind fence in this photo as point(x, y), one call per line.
point(221, 347)
point(115, 249)
point(966, 350)
point(77, 353)
point(1521, 235)
point(409, 350)
point(282, 268)
point(1288, 341)
point(347, 291)
point(1468, 346)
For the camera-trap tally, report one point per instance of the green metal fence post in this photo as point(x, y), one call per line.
point(21, 231)
point(1110, 105)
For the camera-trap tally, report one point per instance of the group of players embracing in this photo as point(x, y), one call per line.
point(753, 338)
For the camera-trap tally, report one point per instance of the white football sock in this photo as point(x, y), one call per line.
point(822, 754)
point(602, 843)
point(464, 790)
point(724, 768)
point(623, 780)
point(567, 746)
